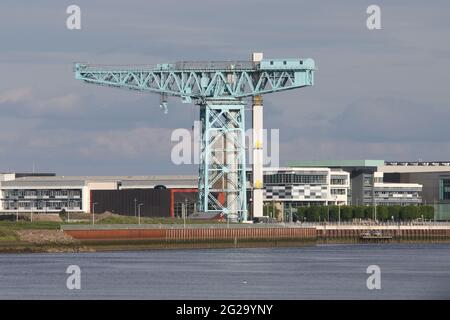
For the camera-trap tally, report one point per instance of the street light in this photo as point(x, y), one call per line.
point(375, 211)
point(339, 213)
point(185, 212)
point(328, 211)
point(339, 210)
point(93, 212)
point(290, 211)
point(139, 212)
point(135, 209)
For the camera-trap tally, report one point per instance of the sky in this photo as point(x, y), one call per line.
point(378, 94)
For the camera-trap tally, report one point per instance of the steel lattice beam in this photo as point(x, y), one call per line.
point(182, 81)
point(222, 183)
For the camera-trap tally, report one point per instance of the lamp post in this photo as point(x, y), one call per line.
point(185, 212)
point(93, 212)
point(339, 210)
point(375, 211)
point(139, 212)
point(328, 212)
point(135, 208)
point(291, 219)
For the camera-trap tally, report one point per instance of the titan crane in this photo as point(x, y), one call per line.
point(220, 89)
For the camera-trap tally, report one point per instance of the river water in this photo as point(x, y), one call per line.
point(408, 271)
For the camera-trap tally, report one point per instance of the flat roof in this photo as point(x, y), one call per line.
point(336, 163)
point(397, 185)
point(414, 169)
point(80, 181)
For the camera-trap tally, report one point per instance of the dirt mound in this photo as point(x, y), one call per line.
point(45, 236)
point(105, 215)
point(41, 217)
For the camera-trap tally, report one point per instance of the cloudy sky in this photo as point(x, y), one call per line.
point(381, 94)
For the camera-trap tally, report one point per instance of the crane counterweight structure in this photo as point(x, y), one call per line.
point(220, 88)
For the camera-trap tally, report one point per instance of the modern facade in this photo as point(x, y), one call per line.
point(367, 183)
point(395, 182)
point(48, 193)
point(434, 176)
point(360, 182)
point(290, 188)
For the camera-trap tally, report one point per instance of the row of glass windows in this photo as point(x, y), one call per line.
point(44, 193)
point(387, 193)
point(338, 191)
point(292, 178)
point(367, 181)
point(181, 208)
point(43, 205)
point(445, 189)
point(338, 181)
point(395, 203)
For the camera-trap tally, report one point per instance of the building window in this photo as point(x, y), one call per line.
point(338, 180)
point(445, 188)
point(367, 181)
point(337, 191)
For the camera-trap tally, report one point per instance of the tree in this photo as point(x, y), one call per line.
point(382, 213)
point(334, 213)
point(270, 210)
point(346, 213)
point(369, 212)
point(394, 212)
point(323, 212)
point(409, 212)
point(313, 213)
point(358, 212)
point(62, 213)
point(427, 212)
point(301, 212)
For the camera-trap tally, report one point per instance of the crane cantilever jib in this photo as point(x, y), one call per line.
point(206, 80)
point(219, 87)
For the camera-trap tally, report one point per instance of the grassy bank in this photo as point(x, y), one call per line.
point(46, 236)
point(11, 231)
point(8, 229)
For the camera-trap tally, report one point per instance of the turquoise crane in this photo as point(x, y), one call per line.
point(220, 88)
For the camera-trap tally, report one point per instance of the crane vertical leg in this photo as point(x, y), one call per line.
point(258, 180)
point(222, 178)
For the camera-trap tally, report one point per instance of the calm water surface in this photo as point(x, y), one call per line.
point(408, 271)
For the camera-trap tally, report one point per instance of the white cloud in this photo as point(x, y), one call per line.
point(132, 144)
point(15, 95)
point(67, 102)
